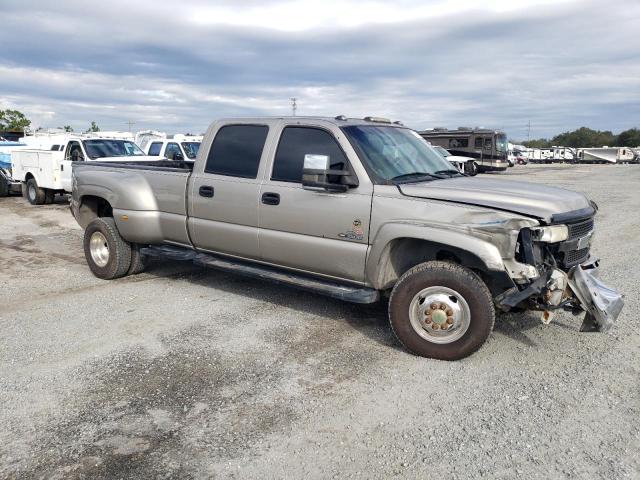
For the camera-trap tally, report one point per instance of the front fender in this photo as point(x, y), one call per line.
point(381, 272)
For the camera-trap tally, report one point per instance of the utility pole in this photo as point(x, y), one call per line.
point(529, 131)
point(130, 123)
point(294, 105)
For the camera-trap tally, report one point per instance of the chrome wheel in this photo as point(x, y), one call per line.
point(32, 192)
point(99, 249)
point(439, 314)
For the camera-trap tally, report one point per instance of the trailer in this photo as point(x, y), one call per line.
point(606, 155)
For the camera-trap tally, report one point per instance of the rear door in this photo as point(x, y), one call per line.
point(315, 231)
point(224, 192)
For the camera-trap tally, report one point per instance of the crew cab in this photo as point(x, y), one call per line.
point(357, 210)
point(44, 173)
point(177, 147)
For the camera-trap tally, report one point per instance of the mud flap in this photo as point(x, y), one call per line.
point(602, 303)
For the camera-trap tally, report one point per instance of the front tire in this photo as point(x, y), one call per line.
point(107, 253)
point(35, 195)
point(441, 310)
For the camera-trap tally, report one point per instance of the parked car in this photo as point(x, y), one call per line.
point(357, 210)
point(466, 165)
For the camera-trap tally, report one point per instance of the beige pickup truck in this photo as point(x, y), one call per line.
point(357, 209)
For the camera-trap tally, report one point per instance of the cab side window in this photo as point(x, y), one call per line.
point(236, 150)
point(295, 143)
point(154, 149)
point(172, 150)
point(74, 152)
point(478, 142)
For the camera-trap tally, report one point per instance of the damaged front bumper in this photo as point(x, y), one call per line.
point(602, 303)
point(578, 290)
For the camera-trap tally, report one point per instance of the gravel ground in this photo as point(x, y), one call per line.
point(185, 373)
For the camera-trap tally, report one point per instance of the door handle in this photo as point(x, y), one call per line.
point(269, 198)
point(206, 191)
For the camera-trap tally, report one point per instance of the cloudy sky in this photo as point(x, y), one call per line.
point(176, 66)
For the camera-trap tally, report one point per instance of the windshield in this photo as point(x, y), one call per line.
point(191, 148)
point(100, 148)
point(392, 153)
point(442, 151)
point(501, 142)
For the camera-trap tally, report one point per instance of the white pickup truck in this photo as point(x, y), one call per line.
point(176, 147)
point(47, 172)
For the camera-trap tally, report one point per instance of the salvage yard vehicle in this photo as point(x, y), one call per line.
point(353, 209)
point(463, 164)
point(176, 147)
point(44, 173)
point(488, 147)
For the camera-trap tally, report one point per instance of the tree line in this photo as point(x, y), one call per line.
point(16, 121)
point(587, 137)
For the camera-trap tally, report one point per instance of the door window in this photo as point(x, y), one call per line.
point(488, 143)
point(74, 152)
point(295, 143)
point(172, 150)
point(154, 149)
point(478, 142)
point(236, 150)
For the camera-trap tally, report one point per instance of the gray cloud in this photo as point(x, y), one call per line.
point(559, 65)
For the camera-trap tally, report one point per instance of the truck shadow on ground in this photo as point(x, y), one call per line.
point(369, 319)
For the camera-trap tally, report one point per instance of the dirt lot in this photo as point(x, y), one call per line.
point(185, 373)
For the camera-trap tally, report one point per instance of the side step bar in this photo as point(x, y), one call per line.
point(348, 293)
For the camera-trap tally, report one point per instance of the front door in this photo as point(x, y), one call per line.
point(223, 211)
point(73, 153)
point(314, 231)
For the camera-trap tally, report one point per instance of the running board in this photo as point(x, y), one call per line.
point(348, 293)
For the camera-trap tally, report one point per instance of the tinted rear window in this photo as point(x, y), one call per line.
point(236, 150)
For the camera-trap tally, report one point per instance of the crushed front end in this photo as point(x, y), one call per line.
point(561, 273)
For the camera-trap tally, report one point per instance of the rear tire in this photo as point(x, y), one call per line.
point(107, 253)
point(441, 310)
point(4, 187)
point(35, 195)
point(49, 196)
point(137, 260)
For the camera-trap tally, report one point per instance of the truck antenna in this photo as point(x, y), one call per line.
point(130, 123)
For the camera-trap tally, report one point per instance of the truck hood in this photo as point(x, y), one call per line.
point(530, 199)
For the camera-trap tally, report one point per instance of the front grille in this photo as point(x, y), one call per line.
point(580, 229)
point(576, 256)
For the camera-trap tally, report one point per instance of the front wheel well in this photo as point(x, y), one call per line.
point(402, 254)
point(92, 207)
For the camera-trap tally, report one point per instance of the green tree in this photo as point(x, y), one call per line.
point(13, 120)
point(539, 143)
point(585, 137)
point(629, 138)
point(93, 128)
point(68, 128)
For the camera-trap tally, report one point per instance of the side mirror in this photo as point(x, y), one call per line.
point(75, 156)
point(317, 175)
point(178, 156)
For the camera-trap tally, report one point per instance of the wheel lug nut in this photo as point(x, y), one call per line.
point(428, 320)
point(445, 326)
point(434, 306)
point(443, 306)
point(449, 312)
point(450, 320)
point(435, 326)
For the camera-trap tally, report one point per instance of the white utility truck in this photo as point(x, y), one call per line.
point(46, 171)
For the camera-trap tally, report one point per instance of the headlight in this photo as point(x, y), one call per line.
point(552, 234)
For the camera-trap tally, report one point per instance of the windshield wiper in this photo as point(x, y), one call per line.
point(415, 176)
point(451, 171)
